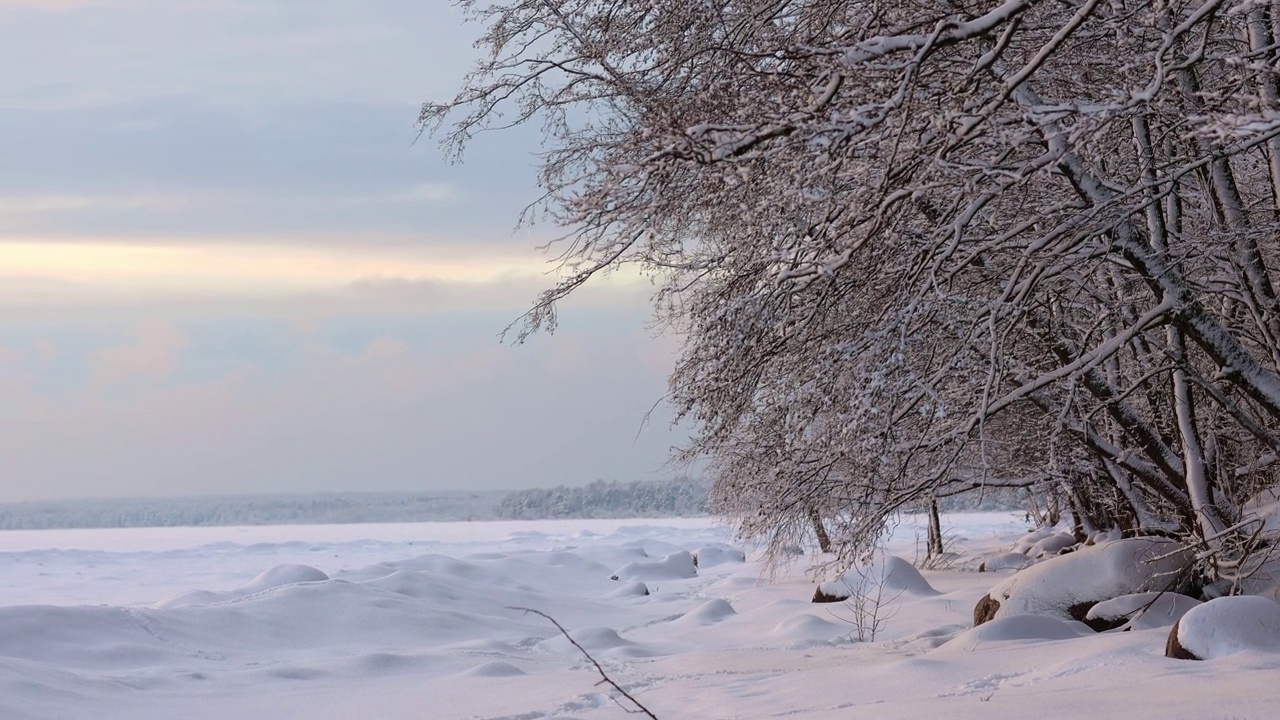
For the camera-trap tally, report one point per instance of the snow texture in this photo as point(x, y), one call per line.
point(416, 621)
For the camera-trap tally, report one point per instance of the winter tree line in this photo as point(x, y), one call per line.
point(677, 497)
point(278, 509)
point(917, 250)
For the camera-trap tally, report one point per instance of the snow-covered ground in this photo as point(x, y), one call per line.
point(415, 622)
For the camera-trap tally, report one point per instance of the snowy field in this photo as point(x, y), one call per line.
point(412, 621)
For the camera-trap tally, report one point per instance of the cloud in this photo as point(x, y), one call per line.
point(153, 354)
point(373, 402)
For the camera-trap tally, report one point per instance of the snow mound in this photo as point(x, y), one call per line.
point(712, 555)
point(598, 638)
point(629, 590)
point(1024, 628)
point(808, 627)
point(999, 562)
point(676, 566)
point(886, 574)
point(708, 613)
point(1066, 586)
point(1140, 611)
point(1051, 545)
point(494, 669)
point(1024, 543)
point(282, 575)
point(418, 585)
point(192, 598)
point(1229, 625)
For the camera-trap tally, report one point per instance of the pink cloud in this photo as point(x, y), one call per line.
point(155, 354)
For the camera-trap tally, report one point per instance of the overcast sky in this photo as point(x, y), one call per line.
point(225, 266)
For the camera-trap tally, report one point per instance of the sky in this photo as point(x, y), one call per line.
point(228, 265)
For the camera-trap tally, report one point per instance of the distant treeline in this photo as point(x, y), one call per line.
point(678, 497)
point(282, 509)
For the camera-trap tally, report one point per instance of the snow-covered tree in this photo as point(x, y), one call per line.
point(919, 248)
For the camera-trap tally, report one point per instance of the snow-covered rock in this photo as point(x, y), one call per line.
point(1067, 586)
point(1226, 626)
point(676, 566)
point(886, 574)
point(1139, 611)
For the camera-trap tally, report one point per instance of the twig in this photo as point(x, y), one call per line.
point(639, 709)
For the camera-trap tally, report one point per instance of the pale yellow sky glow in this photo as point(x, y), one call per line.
point(144, 268)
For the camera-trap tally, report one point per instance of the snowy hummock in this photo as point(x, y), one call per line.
point(886, 574)
point(1229, 625)
point(676, 566)
point(423, 621)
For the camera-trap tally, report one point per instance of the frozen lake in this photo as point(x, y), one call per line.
point(415, 621)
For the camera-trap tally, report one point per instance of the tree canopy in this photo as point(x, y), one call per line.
point(918, 248)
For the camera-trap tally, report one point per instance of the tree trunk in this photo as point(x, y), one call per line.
point(824, 540)
point(935, 548)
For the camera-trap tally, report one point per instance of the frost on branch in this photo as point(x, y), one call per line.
point(923, 249)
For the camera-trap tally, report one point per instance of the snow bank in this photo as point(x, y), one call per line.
point(886, 574)
point(1067, 586)
point(1226, 626)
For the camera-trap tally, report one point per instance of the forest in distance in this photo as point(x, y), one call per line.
point(670, 498)
point(676, 497)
